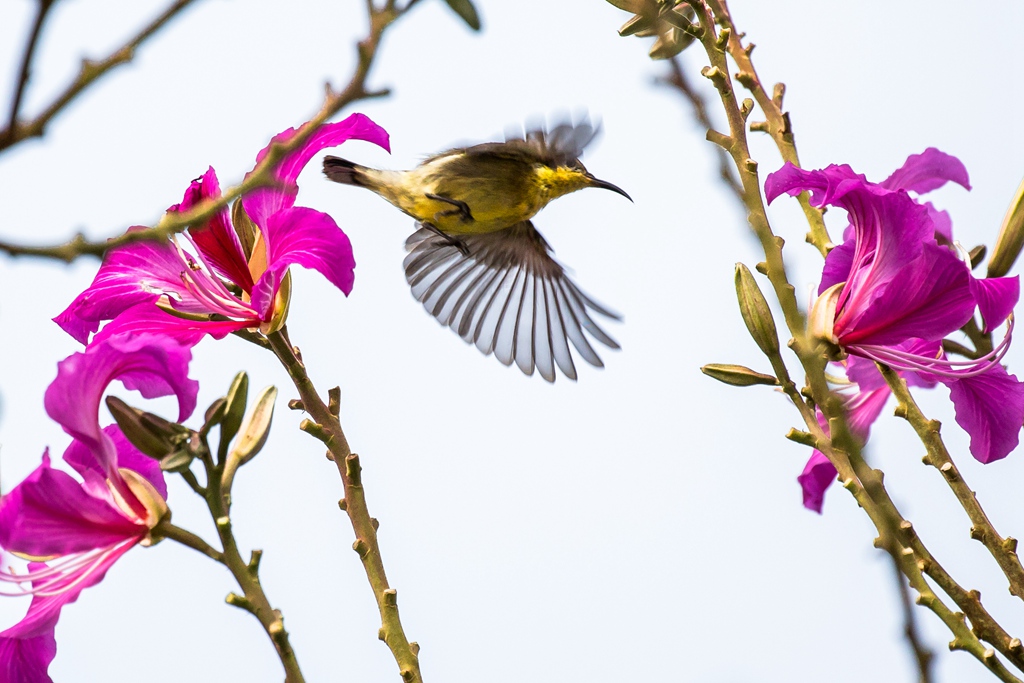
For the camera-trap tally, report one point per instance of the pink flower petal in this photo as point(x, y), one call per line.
point(149, 319)
point(307, 238)
point(216, 239)
point(153, 365)
point(990, 408)
point(28, 647)
point(927, 298)
point(930, 170)
point(817, 476)
point(129, 457)
point(263, 202)
point(49, 513)
point(134, 274)
point(996, 298)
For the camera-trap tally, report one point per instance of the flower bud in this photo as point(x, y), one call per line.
point(737, 375)
point(1011, 237)
point(151, 434)
point(756, 314)
point(257, 427)
point(234, 409)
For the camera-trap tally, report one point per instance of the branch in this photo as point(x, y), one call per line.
point(1003, 550)
point(25, 71)
point(88, 74)
point(261, 176)
point(777, 122)
point(326, 427)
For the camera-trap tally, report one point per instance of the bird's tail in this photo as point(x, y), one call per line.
point(345, 172)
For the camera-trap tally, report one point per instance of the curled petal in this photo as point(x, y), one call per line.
point(128, 457)
point(152, 364)
point(928, 171)
point(216, 239)
point(307, 238)
point(990, 408)
point(263, 202)
point(817, 476)
point(996, 297)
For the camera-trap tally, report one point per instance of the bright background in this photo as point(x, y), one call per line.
point(643, 524)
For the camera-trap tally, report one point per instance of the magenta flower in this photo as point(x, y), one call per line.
point(896, 287)
point(167, 288)
point(73, 531)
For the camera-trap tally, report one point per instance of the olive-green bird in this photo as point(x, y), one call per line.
point(476, 263)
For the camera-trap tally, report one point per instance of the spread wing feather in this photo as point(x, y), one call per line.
point(508, 297)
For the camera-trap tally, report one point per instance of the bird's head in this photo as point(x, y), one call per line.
point(562, 179)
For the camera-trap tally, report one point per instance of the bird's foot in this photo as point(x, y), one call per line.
point(450, 239)
point(461, 208)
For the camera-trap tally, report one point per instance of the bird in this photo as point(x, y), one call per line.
point(477, 263)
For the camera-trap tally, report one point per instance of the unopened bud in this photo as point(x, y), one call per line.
point(257, 427)
point(151, 434)
point(670, 43)
point(234, 408)
point(1011, 237)
point(737, 375)
point(756, 314)
point(639, 25)
point(213, 416)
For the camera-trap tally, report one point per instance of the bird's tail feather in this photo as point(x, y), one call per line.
point(344, 171)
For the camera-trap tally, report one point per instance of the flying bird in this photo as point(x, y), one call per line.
point(477, 263)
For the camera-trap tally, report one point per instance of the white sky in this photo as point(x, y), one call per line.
point(642, 524)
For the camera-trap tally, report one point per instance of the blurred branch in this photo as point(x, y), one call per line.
point(676, 79)
point(261, 176)
point(25, 71)
point(88, 74)
point(923, 657)
point(326, 427)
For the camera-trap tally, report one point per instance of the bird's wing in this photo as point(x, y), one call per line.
point(508, 296)
point(562, 145)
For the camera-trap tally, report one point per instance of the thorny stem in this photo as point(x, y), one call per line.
point(261, 176)
point(777, 121)
point(25, 70)
point(896, 535)
point(327, 428)
point(1003, 550)
point(88, 74)
point(217, 495)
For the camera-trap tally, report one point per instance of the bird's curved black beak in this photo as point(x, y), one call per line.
point(605, 185)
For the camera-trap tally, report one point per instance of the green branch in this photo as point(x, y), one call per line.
point(326, 427)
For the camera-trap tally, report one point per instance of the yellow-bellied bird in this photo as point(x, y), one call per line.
point(477, 263)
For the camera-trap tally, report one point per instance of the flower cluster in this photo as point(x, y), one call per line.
point(235, 275)
point(158, 299)
point(72, 530)
point(893, 291)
